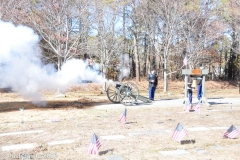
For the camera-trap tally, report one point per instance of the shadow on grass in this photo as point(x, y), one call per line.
point(105, 152)
point(142, 103)
point(165, 99)
point(192, 141)
point(215, 103)
point(55, 104)
point(130, 122)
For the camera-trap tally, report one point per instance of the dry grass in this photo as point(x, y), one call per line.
point(73, 117)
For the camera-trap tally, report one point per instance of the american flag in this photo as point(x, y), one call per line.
point(94, 145)
point(123, 116)
point(179, 133)
point(232, 132)
point(185, 61)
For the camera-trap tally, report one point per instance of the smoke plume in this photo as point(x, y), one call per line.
point(21, 67)
point(124, 67)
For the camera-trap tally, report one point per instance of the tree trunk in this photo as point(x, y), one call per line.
point(145, 57)
point(133, 70)
point(59, 62)
point(165, 75)
point(137, 67)
point(231, 65)
point(124, 42)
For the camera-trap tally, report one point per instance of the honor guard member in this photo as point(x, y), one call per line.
point(199, 92)
point(189, 94)
point(190, 90)
point(199, 82)
point(153, 82)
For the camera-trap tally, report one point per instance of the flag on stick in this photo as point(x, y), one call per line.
point(185, 61)
point(123, 116)
point(94, 145)
point(232, 132)
point(179, 133)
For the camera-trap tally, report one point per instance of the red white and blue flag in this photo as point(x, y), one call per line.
point(185, 60)
point(179, 133)
point(232, 132)
point(123, 117)
point(94, 145)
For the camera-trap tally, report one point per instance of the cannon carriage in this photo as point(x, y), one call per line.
point(126, 93)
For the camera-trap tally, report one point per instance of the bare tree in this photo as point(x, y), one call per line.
point(108, 38)
point(199, 30)
point(231, 16)
point(135, 31)
point(57, 22)
point(155, 33)
point(14, 11)
point(168, 18)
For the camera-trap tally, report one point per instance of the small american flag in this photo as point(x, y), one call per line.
point(94, 145)
point(185, 60)
point(232, 132)
point(123, 116)
point(179, 133)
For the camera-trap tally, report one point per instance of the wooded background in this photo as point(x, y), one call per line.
point(135, 35)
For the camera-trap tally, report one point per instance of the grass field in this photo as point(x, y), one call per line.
point(71, 121)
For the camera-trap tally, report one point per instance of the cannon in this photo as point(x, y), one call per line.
point(126, 93)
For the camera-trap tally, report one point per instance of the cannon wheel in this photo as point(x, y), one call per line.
point(128, 93)
point(112, 93)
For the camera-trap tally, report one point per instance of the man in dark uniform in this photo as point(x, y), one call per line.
point(199, 92)
point(153, 82)
point(199, 82)
point(190, 90)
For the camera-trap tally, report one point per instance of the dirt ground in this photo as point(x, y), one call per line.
point(74, 118)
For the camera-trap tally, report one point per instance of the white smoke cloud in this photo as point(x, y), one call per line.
point(124, 67)
point(21, 67)
point(75, 71)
